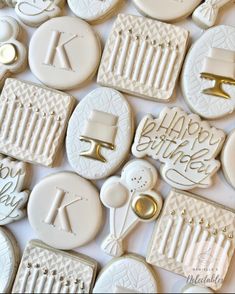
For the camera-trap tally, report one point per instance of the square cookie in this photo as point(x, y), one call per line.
point(44, 269)
point(143, 57)
point(194, 237)
point(33, 120)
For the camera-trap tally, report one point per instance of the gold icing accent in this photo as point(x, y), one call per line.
point(208, 225)
point(183, 212)
point(217, 89)
point(145, 207)
point(172, 212)
point(201, 221)
point(190, 220)
point(8, 53)
point(224, 230)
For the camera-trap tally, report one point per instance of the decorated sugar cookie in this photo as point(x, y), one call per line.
point(10, 3)
point(130, 199)
point(208, 76)
point(65, 211)
point(186, 146)
point(44, 269)
point(189, 288)
point(143, 57)
point(127, 274)
point(207, 13)
point(99, 134)
point(36, 12)
point(64, 53)
point(194, 236)
point(227, 159)
point(33, 120)
point(9, 260)
point(94, 10)
point(13, 176)
point(13, 54)
point(167, 10)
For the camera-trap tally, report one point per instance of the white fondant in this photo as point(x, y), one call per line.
point(227, 159)
point(138, 178)
point(128, 272)
point(65, 211)
point(106, 101)
point(64, 52)
point(208, 106)
point(184, 144)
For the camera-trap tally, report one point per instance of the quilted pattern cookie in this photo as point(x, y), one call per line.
point(194, 237)
point(33, 120)
point(143, 57)
point(46, 270)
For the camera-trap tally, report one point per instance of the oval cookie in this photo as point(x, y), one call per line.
point(228, 156)
point(167, 10)
point(9, 260)
point(65, 211)
point(128, 274)
point(64, 53)
point(208, 77)
point(93, 10)
point(99, 134)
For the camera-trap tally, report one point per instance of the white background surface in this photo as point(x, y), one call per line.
point(137, 241)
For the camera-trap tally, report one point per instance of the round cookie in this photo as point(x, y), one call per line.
point(94, 11)
point(64, 53)
point(167, 10)
point(228, 154)
point(196, 289)
point(208, 77)
point(127, 274)
point(65, 211)
point(9, 260)
point(99, 134)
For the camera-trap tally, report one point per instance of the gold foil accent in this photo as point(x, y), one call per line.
point(8, 53)
point(145, 207)
point(217, 89)
point(94, 150)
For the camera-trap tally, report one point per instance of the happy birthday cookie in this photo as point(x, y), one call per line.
point(13, 54)
point(194, 237)
point(99, 134)
point(143, 57)
point(167, 10)
point(131, 200)
point(185, 145)
point(208, 76)
point(65, 211)
point(64, 53)
point(33, 120)
point(13, 177)
point(44, 269)
point(127, 274)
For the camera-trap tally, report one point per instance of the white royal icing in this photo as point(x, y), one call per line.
point(227, 159)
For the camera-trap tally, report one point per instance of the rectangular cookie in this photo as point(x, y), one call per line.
point(194, 237)
point(143, 57)
point(44, 269)
point(33, 121)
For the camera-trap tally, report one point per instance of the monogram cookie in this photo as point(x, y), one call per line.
point(194, 237)
point(127, 274)
point(65, 211)
point(208, 76)
point(99, 134)
point(36, 12)
point(167, 10)
point(185, 145)
point(33, 120)
point(46, 270)
point(131, 200)
point(13, 175)
point(13, 54)
point(9, 260)
point(64, 53)
point(143, 57)
point(94, 11)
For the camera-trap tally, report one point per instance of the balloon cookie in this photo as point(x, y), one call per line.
point(127, 274)
point(36, 12)
point(13, 54)
point(94, 11)
point(130, 199)
point(227, 159)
